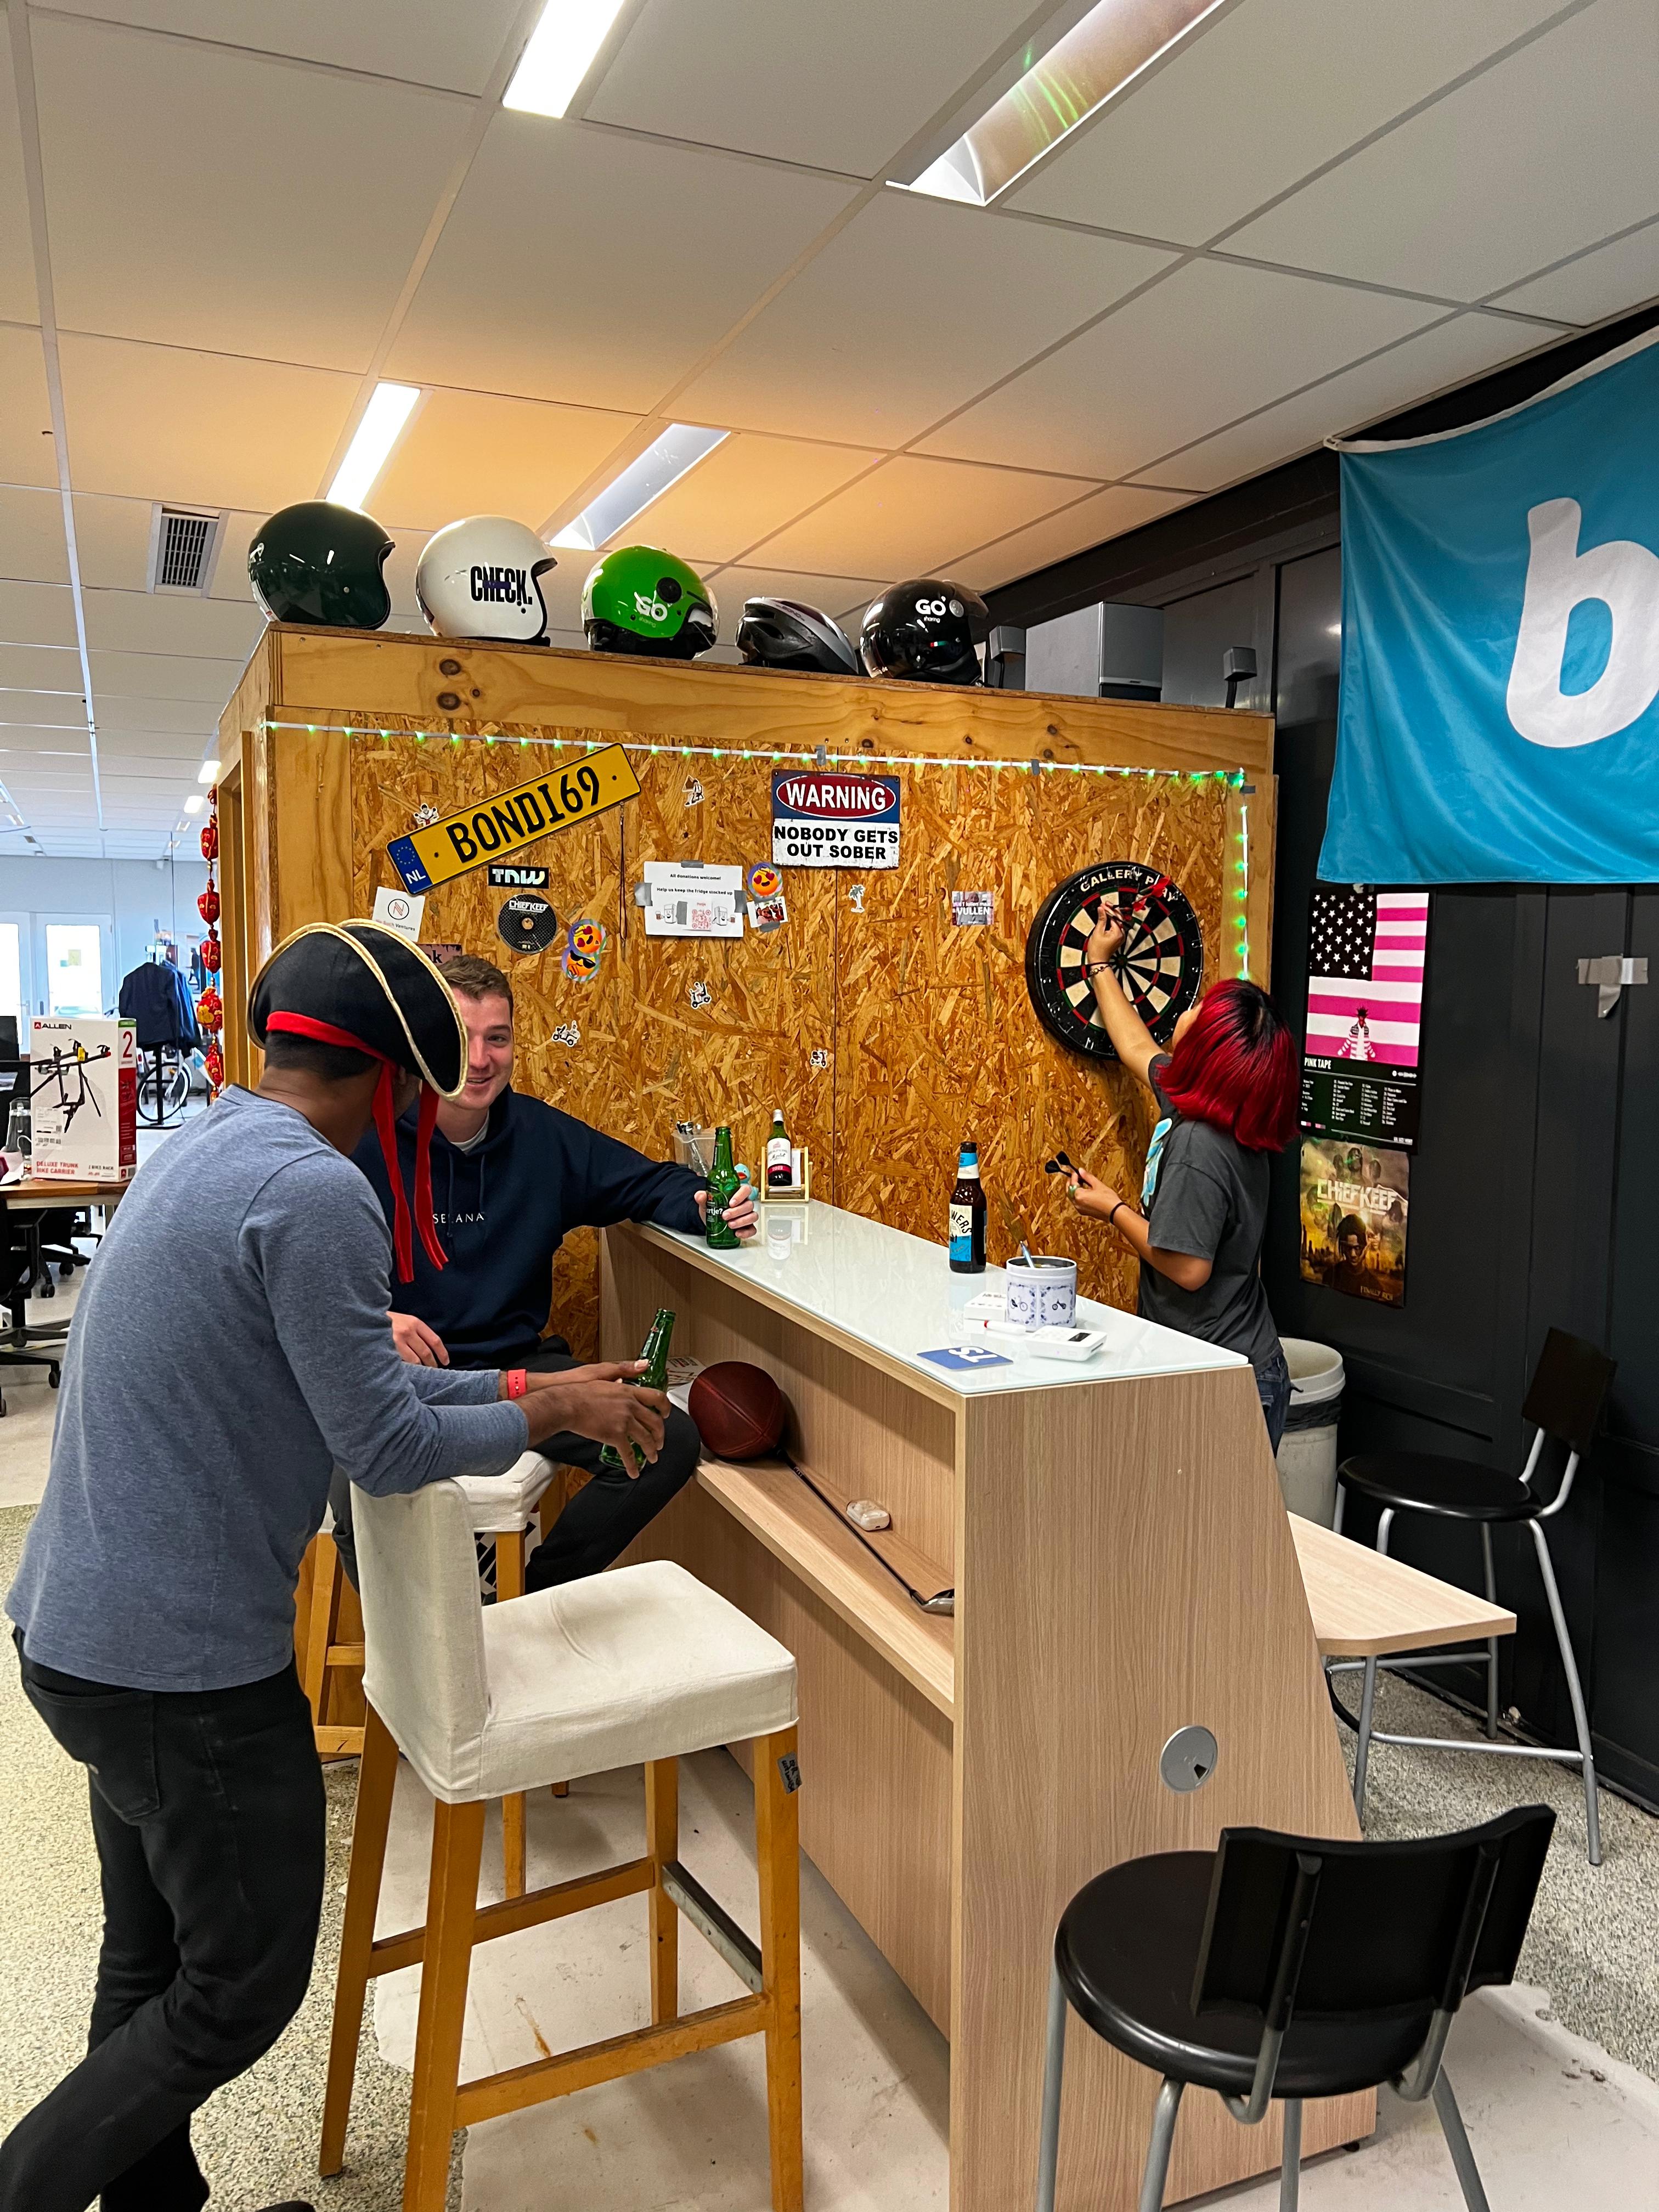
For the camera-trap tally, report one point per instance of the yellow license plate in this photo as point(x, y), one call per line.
point(508, 821)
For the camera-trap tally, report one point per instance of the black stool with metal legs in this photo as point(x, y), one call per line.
point(1569, 1388)
point(1285, 1967)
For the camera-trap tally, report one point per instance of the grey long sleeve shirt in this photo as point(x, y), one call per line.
point(229, 1348)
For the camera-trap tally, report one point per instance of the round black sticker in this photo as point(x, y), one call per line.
point(527, 923)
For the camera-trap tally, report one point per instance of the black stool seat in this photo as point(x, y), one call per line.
point(1127, 1952)
point(1456, 1489)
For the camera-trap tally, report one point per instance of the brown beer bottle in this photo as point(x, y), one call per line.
point(968, 1216)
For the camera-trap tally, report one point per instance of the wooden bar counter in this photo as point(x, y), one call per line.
point(1123, 1567)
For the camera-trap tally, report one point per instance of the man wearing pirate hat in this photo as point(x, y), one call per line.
point(231, 1345)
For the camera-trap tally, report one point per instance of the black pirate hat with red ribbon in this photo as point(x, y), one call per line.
point(363, 987)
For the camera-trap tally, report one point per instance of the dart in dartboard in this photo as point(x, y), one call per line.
point(1160, 962)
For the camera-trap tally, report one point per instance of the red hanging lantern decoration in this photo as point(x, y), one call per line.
point(211, 1009)
point(213, 1060)
point(213, 798)
point(210, 838)
point(211, 955)
point(208, 905)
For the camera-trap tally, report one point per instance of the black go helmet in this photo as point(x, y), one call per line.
point(926, 631)
point(785, 633)
point(316, 562)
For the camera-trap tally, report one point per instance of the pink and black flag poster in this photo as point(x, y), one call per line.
point(1359, 1065)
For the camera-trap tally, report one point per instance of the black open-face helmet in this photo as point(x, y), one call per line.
point(786, 634)
point(925, 632)
point(317, 561)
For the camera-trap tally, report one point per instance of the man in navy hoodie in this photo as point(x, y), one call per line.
point(510, 1178)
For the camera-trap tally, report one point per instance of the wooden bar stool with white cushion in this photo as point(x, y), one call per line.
point(640, 1665)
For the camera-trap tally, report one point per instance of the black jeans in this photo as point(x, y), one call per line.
point(206, 1808)
point(601, 1521)
point(1273, 1384)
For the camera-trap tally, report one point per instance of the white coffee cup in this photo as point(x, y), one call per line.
point(1042, 1292)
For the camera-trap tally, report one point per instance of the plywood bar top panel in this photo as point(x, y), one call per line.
point(1365, 1604)
point(889, 1298)
point(375, 675)
point(773, 1503)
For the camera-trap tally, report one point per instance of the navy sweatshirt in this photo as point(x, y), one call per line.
point(502, 1210)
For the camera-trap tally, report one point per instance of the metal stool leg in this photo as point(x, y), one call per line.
point(1290, 2173)
point(1457, 2142)
point(1363, 1745)
point(1054, 2069)
point(1384, 1524)
point(1162, 2141)
point(1580, 1718)
point(1491, 1641)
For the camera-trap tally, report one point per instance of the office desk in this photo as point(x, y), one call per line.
point(1123, 1567)
point(43, 1196)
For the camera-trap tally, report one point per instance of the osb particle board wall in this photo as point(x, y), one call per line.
point(925, 1030)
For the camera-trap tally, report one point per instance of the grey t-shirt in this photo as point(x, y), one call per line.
point(1208, 1197)
point(229, 1348)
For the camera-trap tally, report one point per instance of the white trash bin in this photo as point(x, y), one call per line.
point(1307, 1450)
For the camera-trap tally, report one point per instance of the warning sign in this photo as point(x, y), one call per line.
point(457, 843)
point(823, 820)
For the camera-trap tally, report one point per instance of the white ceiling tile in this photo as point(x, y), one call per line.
point(150, 422)
point(1596, 286)
point(1226, 125)
point(843, 87)
point(621, 265)
point(36, 614)
point(197, 719)
point(907, 515)
point(143, 622)
point(165, 675)
point(1104, 514)
point(1550, 151)
point(469, 453)
point(32, 548)
point(17, 296)
point(28, 455)
point(747, 488)
point(40, 710)
point(445, 45)
point(156, 750)
point(199, 197)
point(111, 538)
point(40, 668)
point(1200, 349)
point(915, 307)
point(1433, 361)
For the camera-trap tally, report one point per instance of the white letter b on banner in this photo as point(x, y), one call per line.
point(1560, 577)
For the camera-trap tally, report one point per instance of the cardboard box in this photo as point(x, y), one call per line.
point(83, 1099)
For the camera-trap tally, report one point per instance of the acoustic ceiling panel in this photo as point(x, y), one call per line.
point(836, 596)
point(469, 453)
point(1102, 515)
point(1551, 150)
point(194, 718)
point(1595, 286)
point(914, 308)
point(747, 488)
point(1270, 90)
point(152, 421)
point(42, 710)
point(111, 538)
point(36, 614)
point(166, 676)
point(624, 260)
point(454, 47)
point(203, 197)
point(1206, 345)
point(1436, 359)
point(32, 548)
point(842, 87)
point(17, 295)
point(40, 668)
point(910, 513)
point(136, 622)
point(28, 455)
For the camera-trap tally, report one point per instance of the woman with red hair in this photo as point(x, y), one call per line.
point(1226, 1093)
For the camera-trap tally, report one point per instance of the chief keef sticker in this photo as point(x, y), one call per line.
point(527, 922)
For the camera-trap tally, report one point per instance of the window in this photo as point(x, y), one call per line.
point(74, 968)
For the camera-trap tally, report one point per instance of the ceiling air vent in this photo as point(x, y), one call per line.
point(184, 544)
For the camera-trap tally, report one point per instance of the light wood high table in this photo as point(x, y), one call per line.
point(1123, 1567)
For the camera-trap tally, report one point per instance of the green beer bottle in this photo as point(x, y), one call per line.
point(722, 1189)
point(654, 1352)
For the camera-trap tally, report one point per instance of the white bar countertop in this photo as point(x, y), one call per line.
point(882, 1287)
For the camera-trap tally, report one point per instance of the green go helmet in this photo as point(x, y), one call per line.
point(641, 599)
point(317, 561)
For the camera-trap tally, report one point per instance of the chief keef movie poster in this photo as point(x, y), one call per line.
point(1356, 1200)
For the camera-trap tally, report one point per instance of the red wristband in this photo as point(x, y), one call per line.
point(517, 1382)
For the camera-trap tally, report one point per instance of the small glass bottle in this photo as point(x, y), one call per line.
point(780, 1169)
point(968, 1216)
point(654, 1352)
point(723, 1187)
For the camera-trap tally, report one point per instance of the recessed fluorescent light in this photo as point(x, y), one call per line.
point(559, 55)
point(195, 803)
point(382, 426)
point(207, 772)
point(662, 464)
point(1114, 42)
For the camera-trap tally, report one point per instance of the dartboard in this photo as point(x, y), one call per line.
point(1160, 964)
